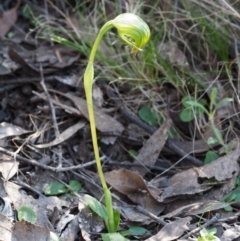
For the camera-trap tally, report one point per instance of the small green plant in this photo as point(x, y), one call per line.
point(153, 118)
point(135, 32)
point(200, 108)
point(210, 157)
point(188, 113)
point(233, 196)
point(208, 235)
point(56, 188)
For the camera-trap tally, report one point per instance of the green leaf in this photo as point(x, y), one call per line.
point(185, 99)
point(113, 237)
point(149, 116)
point(208, 235)
point(212, 140)
point(54, 237)
point(55, 188)
point(26, 213)
point(223, 101)
point(218, 134)
point(116, 216)
point(210, 157)
point(228, 209)
point(96, 207)
point(186, 115)
point(75, 185)
point(213, 96)
point(230, 197)
point(237, 182)
point(135, 231)
point(196, 104)
point(133, 153)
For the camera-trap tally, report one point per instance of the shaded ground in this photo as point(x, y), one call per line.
point(167, 120)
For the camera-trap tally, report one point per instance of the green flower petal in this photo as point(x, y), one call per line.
point(132, 30)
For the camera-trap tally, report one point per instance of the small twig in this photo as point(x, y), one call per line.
point(213, 220)
point(151, 215)
point(229, 219)
point(157, 168)
point(169, 143)
point(55, 125)
point(26, 80)
point(25, 185)
point(54, 169)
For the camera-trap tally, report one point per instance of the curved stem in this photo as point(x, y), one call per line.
point(88, 83)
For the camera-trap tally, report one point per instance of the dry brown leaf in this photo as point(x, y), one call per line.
point(172, 231)
point(104, 122)
point(40, 206)
point(149, 153)
point(7, 19)
point(71, 232)
point(64, 135)
point(187, 182)
point(7, 130)
point(195, 207)
point(183, 183)
point(6, 228)
point(134, 187)
point(30, 232)
point(230, 233)
point(8, 167)
point(222, 169)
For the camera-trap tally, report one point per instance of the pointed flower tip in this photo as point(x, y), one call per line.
point(132, 30)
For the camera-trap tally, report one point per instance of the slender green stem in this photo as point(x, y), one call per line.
point(88, 83)
point(135, 32)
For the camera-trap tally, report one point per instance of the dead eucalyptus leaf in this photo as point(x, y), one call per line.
point(7, 130)
point(187, 182)
point(134, 187)
point(172, 231)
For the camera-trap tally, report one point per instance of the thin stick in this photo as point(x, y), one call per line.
point(54, 169)
point(55, 125)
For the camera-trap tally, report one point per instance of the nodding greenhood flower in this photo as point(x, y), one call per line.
point(132, 30)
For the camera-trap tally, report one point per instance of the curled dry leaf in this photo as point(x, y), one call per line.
point(7, 130)
point(172, 231)
point(8, 18)
point(134, 187)
point(187, 182)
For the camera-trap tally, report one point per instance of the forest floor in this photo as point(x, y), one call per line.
point(166, 119)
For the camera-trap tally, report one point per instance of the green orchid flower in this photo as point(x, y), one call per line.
point(132, 30)
point(135, 32)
